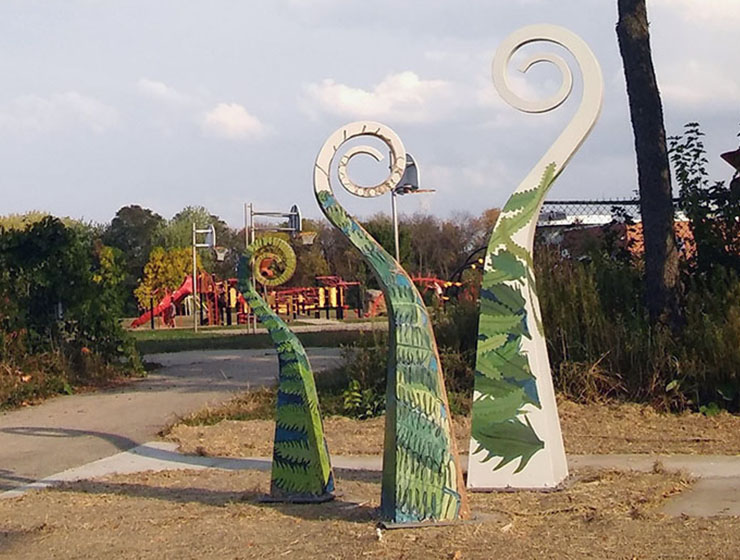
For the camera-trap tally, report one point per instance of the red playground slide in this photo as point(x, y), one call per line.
point(184, 290)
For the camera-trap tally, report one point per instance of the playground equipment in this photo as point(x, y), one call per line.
point(301, 468)
point(218, 302)
point(333, 294)
point(422, 479)
point(516, 440)
point(425, 284)
point(185, 289)
point(221, 303)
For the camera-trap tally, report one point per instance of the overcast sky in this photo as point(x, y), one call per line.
point(171, 103)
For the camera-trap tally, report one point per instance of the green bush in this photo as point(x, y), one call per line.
point(59, 320)
point(364, 373)
point(361, 380)
point(600, 341)
point(601, 344)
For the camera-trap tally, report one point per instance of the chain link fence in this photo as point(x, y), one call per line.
point(572, 223)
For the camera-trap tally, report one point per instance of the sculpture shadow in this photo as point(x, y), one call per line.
point(10, 480)
point(120, 442)
point(340, 509)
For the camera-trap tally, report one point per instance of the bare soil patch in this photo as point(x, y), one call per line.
point(587, 429)
point(215, 514)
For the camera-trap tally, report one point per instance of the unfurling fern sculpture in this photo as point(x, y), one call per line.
point(516, 439)
point(301, 469)
point(422, 479)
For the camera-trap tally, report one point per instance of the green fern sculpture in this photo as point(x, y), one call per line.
point(301, 468)
point(422, 480)
point(504, 383)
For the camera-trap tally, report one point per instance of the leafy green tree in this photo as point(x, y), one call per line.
point(380, 227)
point(61, 289)
point(20, 221)
point(164, 273)
point(713, 208)
point(311, 259)
point(109, 272)
point(133, 231)
point(343, 259)
point(178, 233)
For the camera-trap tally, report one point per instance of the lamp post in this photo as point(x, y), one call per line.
point(209, 242)
point(409, 185)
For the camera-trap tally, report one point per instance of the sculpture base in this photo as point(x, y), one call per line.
point(474, 518)
point(297, 499)
point(565, 484)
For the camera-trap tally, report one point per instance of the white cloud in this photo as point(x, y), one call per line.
point(480, 174)
point(38, 114)
point(720, 12)
point(233, 122)
point(402, 97)
point(162, 92)
point(696, 83)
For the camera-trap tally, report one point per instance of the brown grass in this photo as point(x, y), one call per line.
point(215, 514)
point(634, 428)
point(344, 436)
point(587, 429)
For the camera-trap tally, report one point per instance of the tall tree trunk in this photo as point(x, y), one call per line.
point(656, 206)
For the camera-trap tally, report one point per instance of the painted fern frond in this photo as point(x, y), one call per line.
point(301, 467)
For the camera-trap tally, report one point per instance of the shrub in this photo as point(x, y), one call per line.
point(363, 374)
point(601, 343)
point(59, 319)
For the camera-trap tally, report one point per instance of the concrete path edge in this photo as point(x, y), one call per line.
point(717, 492)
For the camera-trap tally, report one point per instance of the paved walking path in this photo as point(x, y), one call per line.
point(84, 436)
point(70, 431)
point(717, 492)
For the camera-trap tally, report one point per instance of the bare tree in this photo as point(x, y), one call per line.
point(654, 178)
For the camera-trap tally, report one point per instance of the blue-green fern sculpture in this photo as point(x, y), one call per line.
point(422, 480)
point(301, 467)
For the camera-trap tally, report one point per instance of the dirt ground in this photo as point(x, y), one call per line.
point(587, 429)
point(216, 514)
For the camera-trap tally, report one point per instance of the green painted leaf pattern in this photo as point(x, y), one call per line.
point(301, 467)
point(421, 476)
point(504, 382)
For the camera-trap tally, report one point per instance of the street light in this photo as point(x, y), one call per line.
point(209, 242)
point(409, 184)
